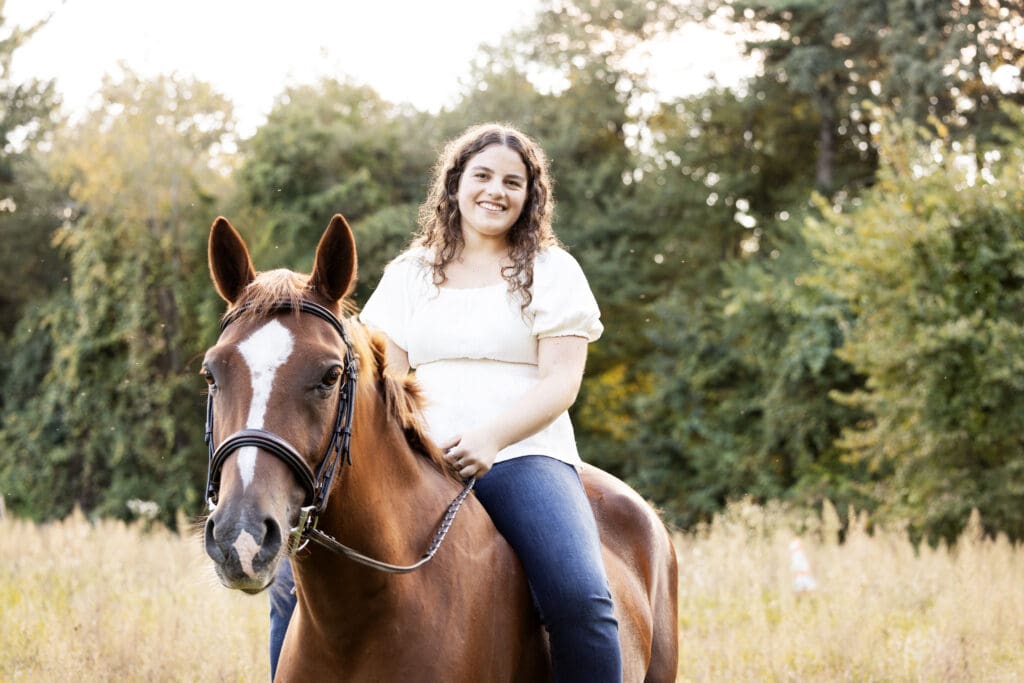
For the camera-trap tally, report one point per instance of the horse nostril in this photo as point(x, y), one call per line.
point(273, 531)
point(212, 547)
point(271, 543)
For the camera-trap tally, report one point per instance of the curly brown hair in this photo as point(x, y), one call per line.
point(440, 222)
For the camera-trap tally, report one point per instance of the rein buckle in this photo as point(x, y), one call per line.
point(297, 536)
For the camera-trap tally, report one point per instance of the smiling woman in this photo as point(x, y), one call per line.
point(491, 195)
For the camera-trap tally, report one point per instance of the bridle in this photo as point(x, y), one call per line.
point(317, 485)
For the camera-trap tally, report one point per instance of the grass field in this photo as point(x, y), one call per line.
point(884, 610)
point(107, 601)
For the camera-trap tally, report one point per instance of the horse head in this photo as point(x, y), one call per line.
point(276, 380)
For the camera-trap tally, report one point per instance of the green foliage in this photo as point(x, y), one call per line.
point(25, 108)
point(746, 390)
point(931, 264)
point(104, 403)
point(30, 203)
point(742, 358)
point(334, 148)
point(740, 404)
point(921, 60)
point(30, 266)
point(860, 346)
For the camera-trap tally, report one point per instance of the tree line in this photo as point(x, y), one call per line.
point(811, 281)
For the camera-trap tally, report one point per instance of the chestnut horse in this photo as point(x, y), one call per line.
point(298, 394)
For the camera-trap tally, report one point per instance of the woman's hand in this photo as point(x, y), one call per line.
point(471, 454)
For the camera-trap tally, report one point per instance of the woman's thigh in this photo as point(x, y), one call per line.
point(539, 505)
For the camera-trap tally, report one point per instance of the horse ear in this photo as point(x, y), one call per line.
point(334, 268)
point(230, 264)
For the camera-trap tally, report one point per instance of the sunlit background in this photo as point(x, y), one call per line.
point(803, 222)
point(415, 52)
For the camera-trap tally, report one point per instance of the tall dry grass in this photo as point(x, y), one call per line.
point(884, 609)
point(109, 601)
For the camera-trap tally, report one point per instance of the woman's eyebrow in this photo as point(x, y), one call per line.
point(480, 167)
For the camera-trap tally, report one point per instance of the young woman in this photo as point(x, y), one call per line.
point(495, 318)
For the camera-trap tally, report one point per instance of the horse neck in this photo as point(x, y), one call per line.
point(385, 505)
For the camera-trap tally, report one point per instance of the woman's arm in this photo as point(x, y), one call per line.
point(561, 361)
point(397, 361)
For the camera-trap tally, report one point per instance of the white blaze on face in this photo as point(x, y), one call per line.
point(264, 352)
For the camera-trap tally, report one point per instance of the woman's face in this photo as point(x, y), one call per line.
point(492, 192)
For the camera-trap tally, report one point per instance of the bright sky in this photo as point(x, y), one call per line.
point(407, 50)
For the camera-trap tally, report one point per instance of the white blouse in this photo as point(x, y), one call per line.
point(475, 350)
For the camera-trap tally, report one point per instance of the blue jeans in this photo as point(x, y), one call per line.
point(539, 506)
point(282, 604)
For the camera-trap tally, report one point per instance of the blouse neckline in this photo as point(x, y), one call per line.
point(472, 289)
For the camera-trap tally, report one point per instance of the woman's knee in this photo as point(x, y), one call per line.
point(578, 606)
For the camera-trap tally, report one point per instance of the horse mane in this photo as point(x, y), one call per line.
point(404, 401)
point(402, 396)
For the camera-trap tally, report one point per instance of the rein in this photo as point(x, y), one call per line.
point(316, 484)
point(327, 541)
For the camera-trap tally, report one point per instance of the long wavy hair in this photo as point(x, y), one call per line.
point(440, 221)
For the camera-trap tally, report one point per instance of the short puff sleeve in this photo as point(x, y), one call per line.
point(563, 305)
point(391, 305)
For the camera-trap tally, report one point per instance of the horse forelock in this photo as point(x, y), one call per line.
point(271, 288)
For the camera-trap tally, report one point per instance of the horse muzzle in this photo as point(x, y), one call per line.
point(244, 548)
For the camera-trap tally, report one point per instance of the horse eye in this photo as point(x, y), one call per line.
point(208, 376)
point(331, 377)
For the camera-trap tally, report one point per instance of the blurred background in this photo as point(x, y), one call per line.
point(803, 220)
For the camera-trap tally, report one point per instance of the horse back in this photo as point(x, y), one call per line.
point(642, 571)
